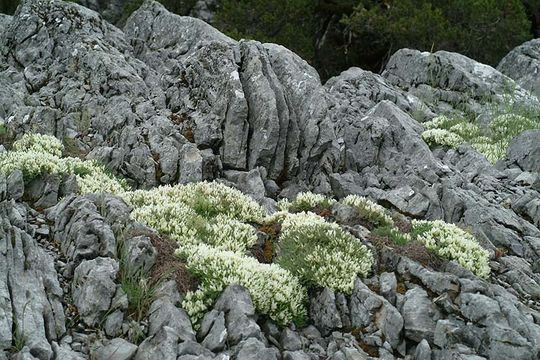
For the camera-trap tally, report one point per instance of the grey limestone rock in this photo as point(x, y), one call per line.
point(30, 292)
point(324, 313)
point(253, 349)
point(139, 253)
point(524, 151)
point(164, 313)
point(115, 349)
point(420, 315)
point(444, 79)
point(522, 64)
point(368, 308)
point(162, 345)
point(93, 288)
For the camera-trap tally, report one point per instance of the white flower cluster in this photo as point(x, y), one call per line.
point(30, 163)
point(206, 198)
point(374, 213)
point(305, 201)
point(451, 242)
point(511, 125)
point(183, 224)
point(322, 253)
point(36, 155)
point(439, 122)
point(274, 290)
point(491, 141)
point(39, 143)
point(208, 220)
point(465, 129)
point(492, 151)
point(442, 137)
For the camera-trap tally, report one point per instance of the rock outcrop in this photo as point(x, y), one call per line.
point(522, 64)
point(170, 99)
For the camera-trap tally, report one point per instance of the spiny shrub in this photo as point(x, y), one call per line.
point(207, 199)
point(275, 291)
point(452, 243)
point(367, 209)
point(36, 155)
point(321, 253)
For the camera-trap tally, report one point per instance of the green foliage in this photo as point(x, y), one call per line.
point(368, 210)
point(481, 29)
point(18, 339)
point(275, 291)
point(452, 243)
point(207, 199)
point(35, 155)
point(136, 285)
point(321, 253)
point(139, 291)
point(306, 201)
point(8, 6)
point(210, 223)
point(394, 234)
point(290, 23)
point(491, 139)
point(185, 226)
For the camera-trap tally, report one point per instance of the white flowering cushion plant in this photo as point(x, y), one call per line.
point(39, 143)
point(490, 140)
point(306, 201)
point(183, 224)
point(275, 291)
point(36, 155)
point(367, 209)
point(452, 243)
point(322, 253)
point(442, 137)
point(208, 199)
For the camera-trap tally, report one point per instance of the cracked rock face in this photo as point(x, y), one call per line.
point(523, 64)
point(169, 99)
point(30, 293)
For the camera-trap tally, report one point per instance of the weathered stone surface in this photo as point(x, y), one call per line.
point(30, 293)
point(15, 185)
point(86, 225)
point(253, 349)
point(93, 288)
point(216, 337)
point(162, 345)
point(368, 308)
point(524, 151)
point(235, 300)
point(357, 91)
point(324, 313)
point(139, 253)
point(423, 351)
point(420, 315)
point(115, 349)
point(445, 79)
point(246, 75)
point(164, 313)
point(523, 64)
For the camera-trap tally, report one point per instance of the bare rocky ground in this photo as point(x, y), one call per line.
point(169, 99)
